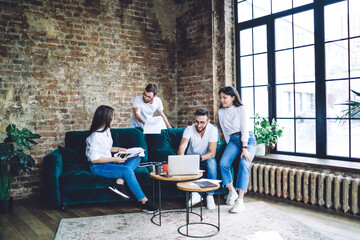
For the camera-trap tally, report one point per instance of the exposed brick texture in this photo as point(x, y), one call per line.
point(61, 59)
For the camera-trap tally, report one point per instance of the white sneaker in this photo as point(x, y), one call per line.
point(210, 203)
point(238, 206)
point(231, 197)
point(195, 199)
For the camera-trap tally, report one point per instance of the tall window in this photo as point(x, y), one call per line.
point(297, 62)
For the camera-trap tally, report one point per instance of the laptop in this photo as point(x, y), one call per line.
point(183, 164)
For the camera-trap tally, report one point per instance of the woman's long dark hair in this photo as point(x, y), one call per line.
point(103, 115)
point(231, 91)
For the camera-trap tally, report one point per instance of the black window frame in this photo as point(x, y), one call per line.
point(320, 84)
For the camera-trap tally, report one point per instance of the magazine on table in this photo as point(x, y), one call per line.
point(131, 153)
point(204, 182)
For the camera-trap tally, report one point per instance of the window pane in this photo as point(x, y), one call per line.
point(305, 136)
point(335, 21)
point(261, 70)
point(246, 71)
point(304, 64)
point(336, 59)
point(286, 142)
point(305, 100)
point(260, 40)
point(247, 98)
point(284, 66)
point(261, 101)
point(244, 11)
point(261, 8)
point(338, 138)
point(355, 85)
point(283, 33)
point(285, 101)
point(304, 28)
point(302, 2)
point(281, 5)
point(354, 15)
point(355, 57)
point(336, 93)
point(355, 138)
point(246, 42)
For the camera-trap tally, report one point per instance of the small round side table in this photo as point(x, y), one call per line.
point(160, 179)
point(189, 187)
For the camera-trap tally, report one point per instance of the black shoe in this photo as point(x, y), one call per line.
point(119, 189)
point(149, 207)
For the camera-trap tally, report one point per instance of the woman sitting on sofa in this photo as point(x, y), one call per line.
point(102, 163)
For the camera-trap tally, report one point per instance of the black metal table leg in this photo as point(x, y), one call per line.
point(196, 223)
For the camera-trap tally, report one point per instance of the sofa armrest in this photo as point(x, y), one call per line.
point(52, 169)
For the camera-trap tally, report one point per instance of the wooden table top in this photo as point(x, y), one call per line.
point(177, 178)
point(188, 187)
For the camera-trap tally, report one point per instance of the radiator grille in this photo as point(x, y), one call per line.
point(316, 188)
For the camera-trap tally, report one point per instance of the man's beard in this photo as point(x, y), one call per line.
point(201, 130)
point(146, 101)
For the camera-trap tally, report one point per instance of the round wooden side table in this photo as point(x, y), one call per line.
point(178, 178)
point(190, 187)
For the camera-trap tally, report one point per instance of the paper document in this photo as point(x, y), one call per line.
point(131, 153)
point(154, 125)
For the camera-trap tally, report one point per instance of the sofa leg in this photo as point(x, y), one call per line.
point(64, 207)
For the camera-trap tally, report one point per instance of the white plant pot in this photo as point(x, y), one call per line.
point(260, 150)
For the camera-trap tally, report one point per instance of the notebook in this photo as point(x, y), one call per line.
point(183, 164)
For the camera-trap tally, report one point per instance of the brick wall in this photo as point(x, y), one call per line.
point(194, 60)
point(61, 59)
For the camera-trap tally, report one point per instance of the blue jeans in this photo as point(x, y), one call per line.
point(210, 165)
point(123, 170)
point(232, 150)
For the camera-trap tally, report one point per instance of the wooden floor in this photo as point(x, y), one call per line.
point(30, 220)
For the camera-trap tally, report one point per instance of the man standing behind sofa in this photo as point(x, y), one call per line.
point(202, 139)
point(144, 107)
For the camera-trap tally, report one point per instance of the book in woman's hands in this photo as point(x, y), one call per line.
point(131, 153)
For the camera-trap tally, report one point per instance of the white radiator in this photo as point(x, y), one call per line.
point(309, 187)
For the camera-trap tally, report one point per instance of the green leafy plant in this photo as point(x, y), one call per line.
point(353, 109)
point(13, 159)
point(266, 132)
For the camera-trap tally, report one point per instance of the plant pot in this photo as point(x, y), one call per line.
point(6, 206)
point(260, 150)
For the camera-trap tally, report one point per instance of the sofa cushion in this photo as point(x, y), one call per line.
point(130, 137)
point(73, 160)
point(162, 145)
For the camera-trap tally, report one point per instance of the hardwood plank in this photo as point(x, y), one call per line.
point(40, 229)
point(12, 227)
point(44, 219)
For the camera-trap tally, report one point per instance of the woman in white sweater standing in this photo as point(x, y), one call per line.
point(239, 136)
point(102, 163)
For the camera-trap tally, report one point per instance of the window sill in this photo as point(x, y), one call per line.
point(312, 162)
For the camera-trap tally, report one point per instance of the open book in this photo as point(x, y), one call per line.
point(131, 153)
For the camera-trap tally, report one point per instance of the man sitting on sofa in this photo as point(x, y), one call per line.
point(202, 139)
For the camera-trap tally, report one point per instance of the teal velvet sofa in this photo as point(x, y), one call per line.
point(66, 173)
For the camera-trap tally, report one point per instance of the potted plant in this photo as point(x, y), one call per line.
point(266, 134)
point(14, 160)
point(354, 108)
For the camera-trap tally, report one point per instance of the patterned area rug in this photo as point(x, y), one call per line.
point(258, 217)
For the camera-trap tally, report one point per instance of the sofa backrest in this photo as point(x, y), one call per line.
point(160, 146)
point(122, 137)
